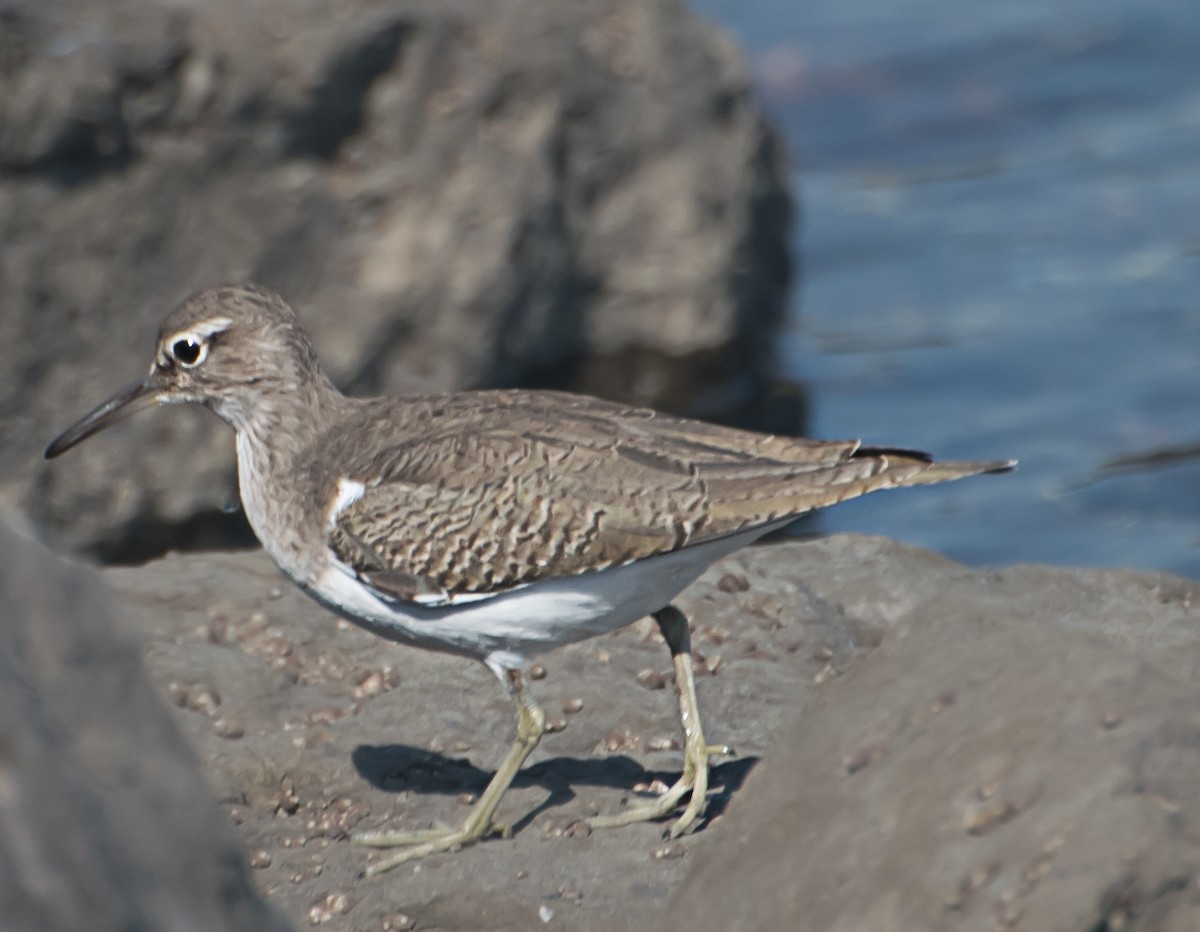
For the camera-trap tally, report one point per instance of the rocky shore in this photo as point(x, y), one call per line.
point(520, 192)
point(921, 746)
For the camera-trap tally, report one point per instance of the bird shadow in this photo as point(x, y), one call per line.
point(400, 767)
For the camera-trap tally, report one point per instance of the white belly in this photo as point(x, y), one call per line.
point(506, 629)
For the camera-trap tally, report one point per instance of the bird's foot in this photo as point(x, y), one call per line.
point(694, 781)
point(424, 842)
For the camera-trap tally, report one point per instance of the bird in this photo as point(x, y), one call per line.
point(491, 524)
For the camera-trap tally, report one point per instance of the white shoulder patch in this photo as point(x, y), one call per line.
point(348, 492)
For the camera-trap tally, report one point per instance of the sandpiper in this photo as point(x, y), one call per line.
point(496, 525)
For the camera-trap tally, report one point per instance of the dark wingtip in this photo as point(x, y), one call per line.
point(983, 467)
point(920, 455)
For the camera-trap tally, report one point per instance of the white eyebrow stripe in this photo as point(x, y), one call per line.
point(204, 329)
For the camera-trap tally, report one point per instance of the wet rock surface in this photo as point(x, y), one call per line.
point(451, 194)
point(922, 746)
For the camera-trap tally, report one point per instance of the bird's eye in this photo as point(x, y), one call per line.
point(188, 352)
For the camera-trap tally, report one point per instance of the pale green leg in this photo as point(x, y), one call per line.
point(694, 780)
point(531, 725)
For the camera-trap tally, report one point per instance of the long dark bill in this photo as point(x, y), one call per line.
point(129, 400)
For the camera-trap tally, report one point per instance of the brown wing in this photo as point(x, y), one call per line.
point(468, 510)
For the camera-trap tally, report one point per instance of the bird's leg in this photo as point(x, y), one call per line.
point(531, 725)
point(694, 780)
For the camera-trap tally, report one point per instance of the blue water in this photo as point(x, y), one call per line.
point(1000, 257)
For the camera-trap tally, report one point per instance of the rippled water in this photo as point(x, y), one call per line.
point(1000, 255)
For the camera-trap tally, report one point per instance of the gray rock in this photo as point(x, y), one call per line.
point(942, 748)
point(105, 822)
point(323, 729)
point(1020, 751)
point(452, 194)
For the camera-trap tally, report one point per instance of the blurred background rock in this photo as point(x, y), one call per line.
point(106, 822)
point(452, 195)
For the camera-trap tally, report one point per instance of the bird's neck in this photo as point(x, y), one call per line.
point(283, 418)
point(273, 440)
